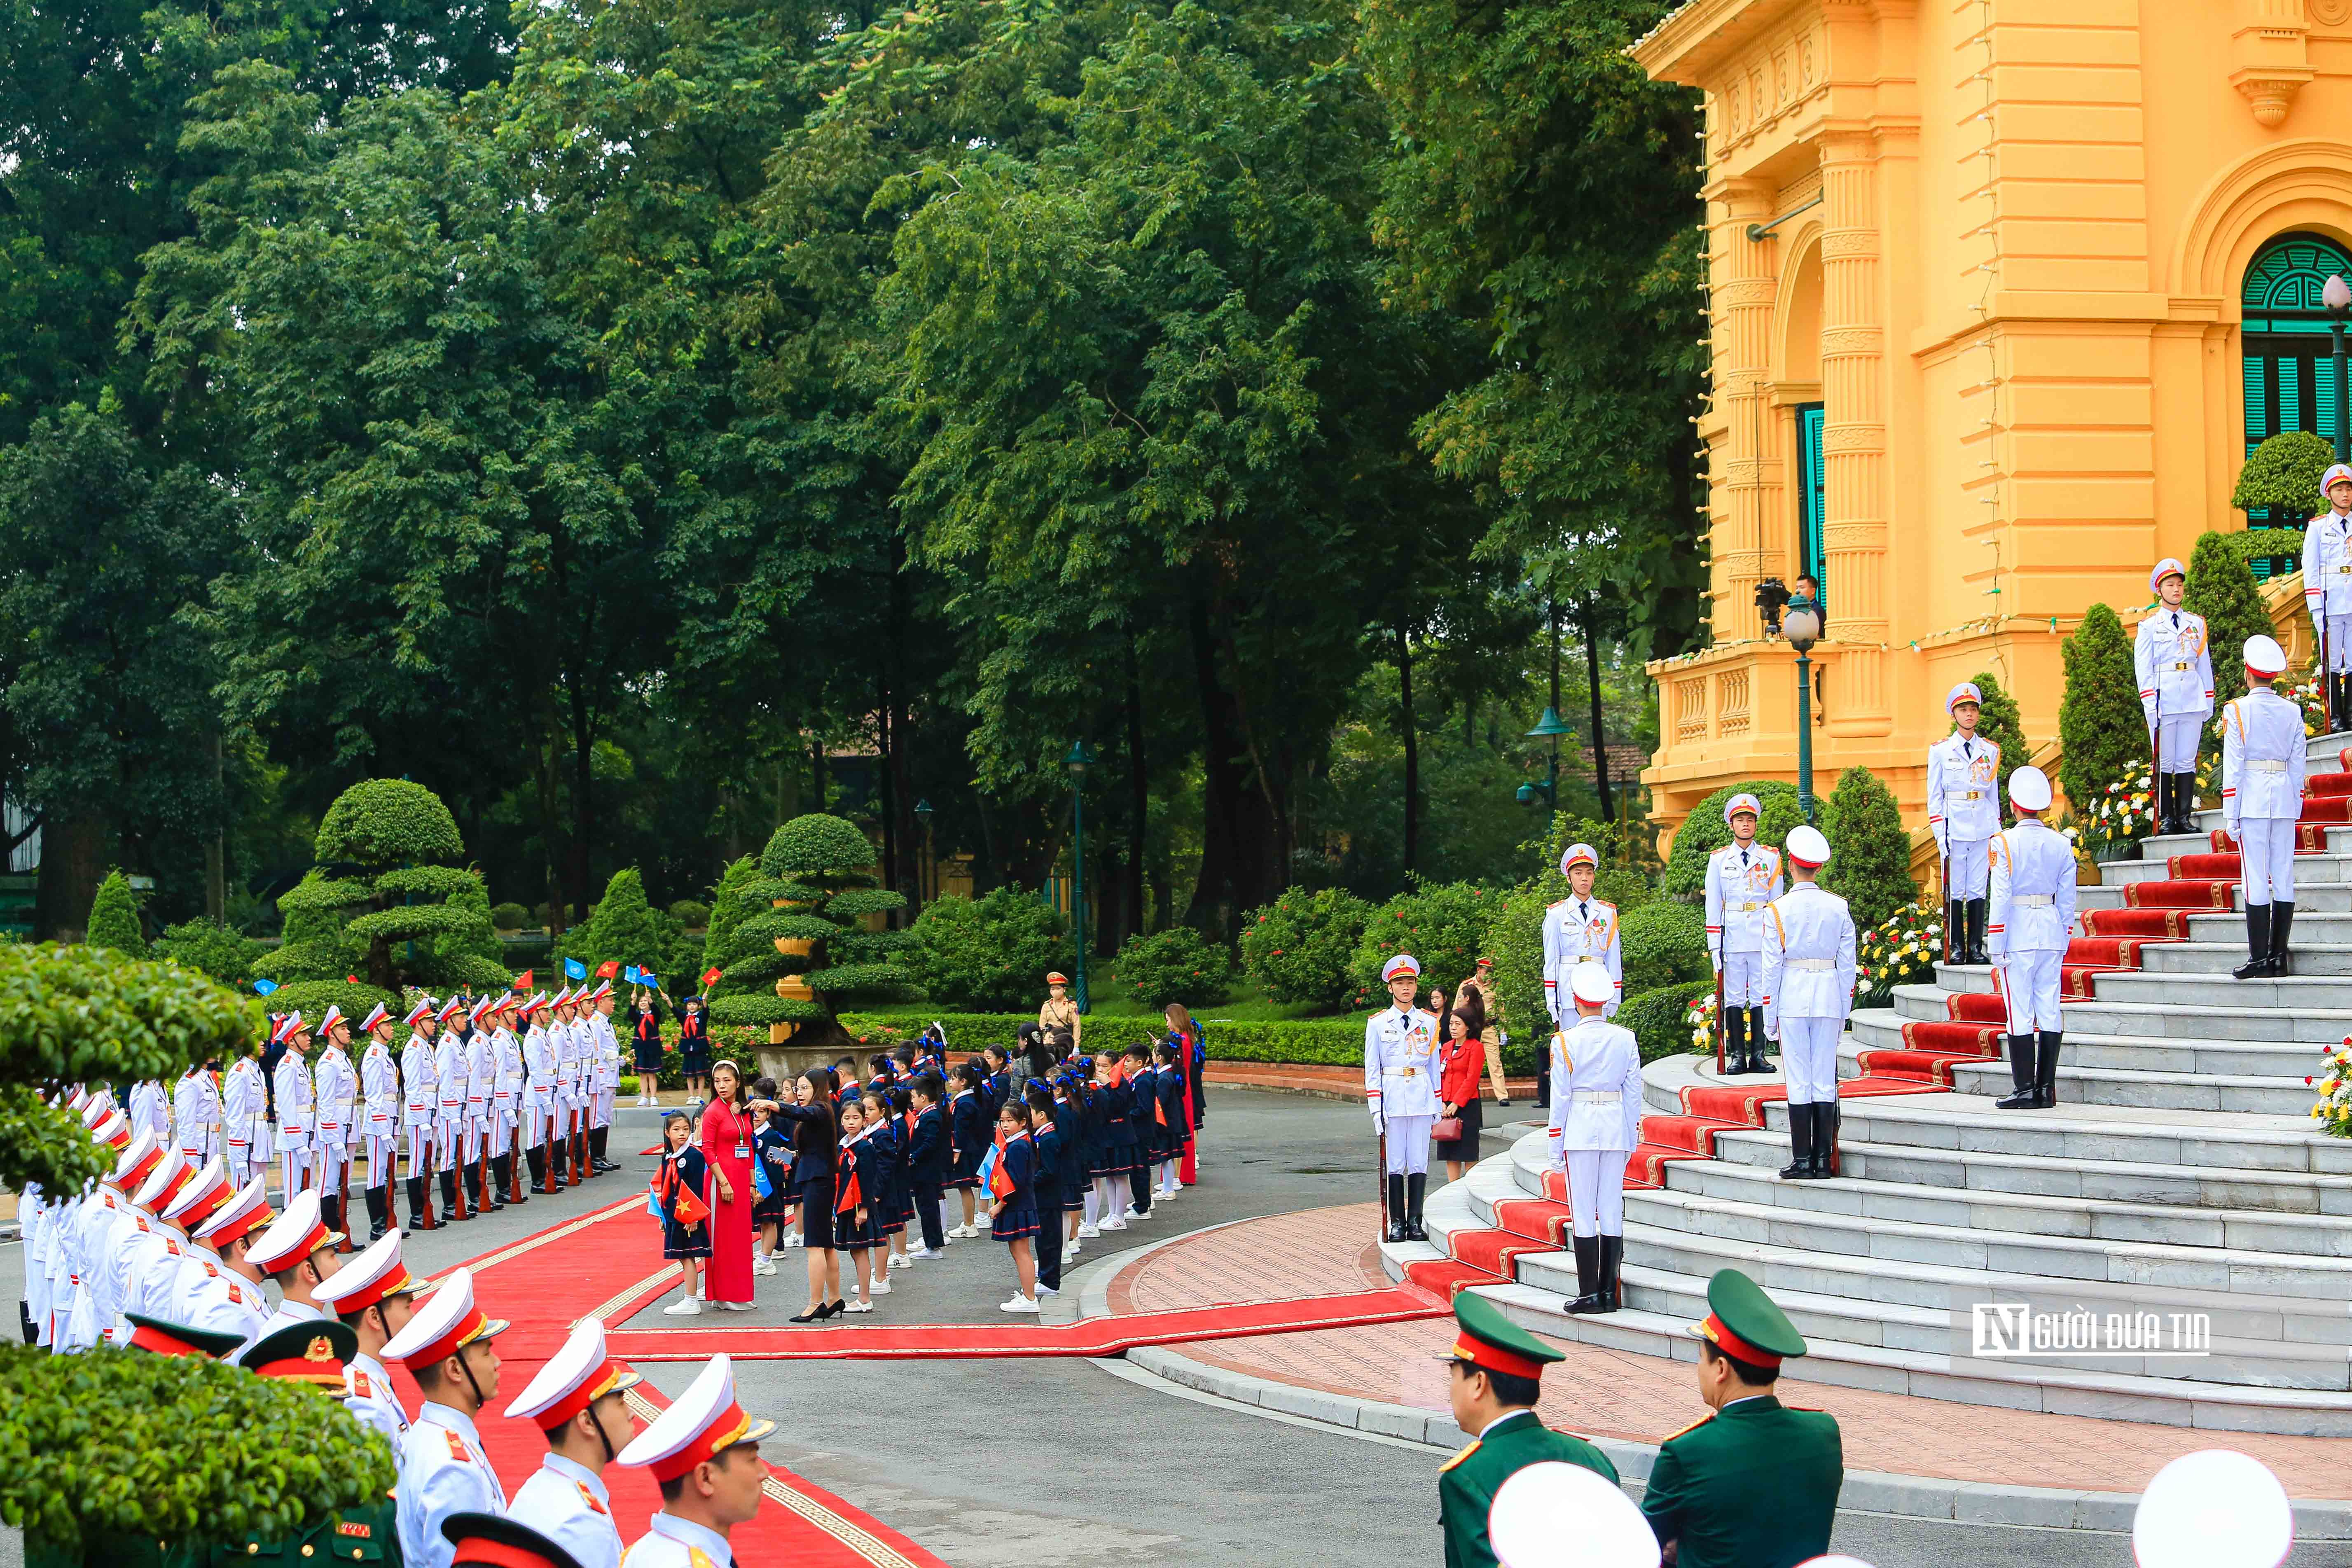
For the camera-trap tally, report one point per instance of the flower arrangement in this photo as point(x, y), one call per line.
point(1700, 1017)
point(2309, 695)
point(2333, 1110)
point(2120, 817)
point(1900, 950)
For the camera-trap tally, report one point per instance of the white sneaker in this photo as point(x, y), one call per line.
point(1046, 1290)
point(1018, 1304)
point(686, 1308)
point(965, 1230)
point(794, 1239)
point(900, 1260)
point(881, 1287)
point(1087, 1232)
point(1071, 1250)
point(1114, 1225)
point(915, 1253)
point(858, 1307)
point(1137, 1213)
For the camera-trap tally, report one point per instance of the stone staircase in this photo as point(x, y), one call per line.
point(2181, 1172)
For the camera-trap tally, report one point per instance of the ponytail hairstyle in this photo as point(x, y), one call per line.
point(965, 1074)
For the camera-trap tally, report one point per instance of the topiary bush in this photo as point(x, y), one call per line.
point(813, 877)
point(2281, 476)
point(1443, 925)
point(380, 823)
point(114, 918)
point(690, 913)
point(988, 953)
point(225, 955)
point(1663, 943)
point(1178, 965)
point(1296, 948)
point(1870, 849)
point(625, 928)
point(2221, 588)
point(1704, 832)
point(509, 916)
point(2100, 724)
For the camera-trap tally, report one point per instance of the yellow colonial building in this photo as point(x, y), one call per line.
point(2000, 292)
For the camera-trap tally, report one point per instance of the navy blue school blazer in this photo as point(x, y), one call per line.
point(927, 1148)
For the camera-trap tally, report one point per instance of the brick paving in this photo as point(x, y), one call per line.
point(1620, 1394)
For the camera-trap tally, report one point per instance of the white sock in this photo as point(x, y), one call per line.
point(1093, 1201)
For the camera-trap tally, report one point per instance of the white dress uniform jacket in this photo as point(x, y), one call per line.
point(373, 1399)
point(1575, 929)
point(481, 1076)
point(1400, 1062)
point(1808, 957)
point(2033, 891)
point(2262, 758)
point(379, 1092)
point(419, 1083)
point(2327, 565)
point(1963, 804)
point(1742, 881)
point(148, 1110)
point(242, 1102)
point(670, 1541)
point(539, 1067)
point(450, 1076)
point(335, 1087)
point(1596, 1094)
point(292, 1077)
point(567, 1502)
point(227, 1303)
point(510, 1080)
point(2174, 664)
point(196, 1113)
point(443, 1469)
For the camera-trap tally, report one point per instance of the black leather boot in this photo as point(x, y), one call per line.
point(486, 1184)
point(379, 1207)
point(1416, 1187)
point(2282, 921)
point(2184, 800)
point(1735, 1040)
point(1801, 1145)
point(1612, 1259)
point(1825, 1137)
point(2045, 1080)
point(2022, 1095)
point(1756, 1062)
point(597, 1146)
point(536, 1157)
point(1396, 1208)
point(1956, 931)
point(2257, 943)
point(1977, 910)
point(449, 1198)
point(418, 1218)
point(1588, 1274)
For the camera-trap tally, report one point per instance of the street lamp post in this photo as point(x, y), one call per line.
point(926, 878)
point(1801, 623)
point(1550, 727)
point(1076, 762)
point(2337, 295)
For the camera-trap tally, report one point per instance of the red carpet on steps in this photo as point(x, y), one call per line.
point(541, 1286)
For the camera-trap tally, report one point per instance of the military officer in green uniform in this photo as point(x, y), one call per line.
point(1755, 1484)
point(1496, 1373)
point(314, 1353)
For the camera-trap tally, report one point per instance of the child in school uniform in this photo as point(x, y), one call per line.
point(854, 1230)
point(1046, 1139)
point(771, 1158)
point(1012, 1185)
point(1116, 1153)
point(678, 1193)
point(877, 1168)
point(998, 1087)
point(1143, 1102)
point(927, 1163)
point(968, 1129)
point(1076, 1180)
point(900, 1102)
point(1170, 1116)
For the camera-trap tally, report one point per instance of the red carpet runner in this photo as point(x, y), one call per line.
point(545, 1283)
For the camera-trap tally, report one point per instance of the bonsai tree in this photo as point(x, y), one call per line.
point(190, 1450)
point(2099, 720)
point(386, 909)
point(2221, 588)
point(798, 963)
point(114, 918)
point(1871, 866)
point(2282, 477)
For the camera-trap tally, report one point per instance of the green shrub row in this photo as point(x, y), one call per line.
point(1658, 1018)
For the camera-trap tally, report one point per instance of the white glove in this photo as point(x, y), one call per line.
point(1380, 1122)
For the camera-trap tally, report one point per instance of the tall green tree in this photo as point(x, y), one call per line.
point(114, 919)
point(2099, 720)
point(2222, 589)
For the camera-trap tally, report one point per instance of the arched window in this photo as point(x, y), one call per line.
point(2289, 356)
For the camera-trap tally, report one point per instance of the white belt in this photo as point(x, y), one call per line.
point(2033, 900)
point(2183, 665)
point(1749, 908)
point(1597, 1096)
point(2266, 764)
point(1811, 964)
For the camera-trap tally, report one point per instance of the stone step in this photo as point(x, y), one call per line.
point(2325, 931)
point(2057, 1260)
point(2213, 960)
point(2287, 1063)
point(2312, 869)
point(2079, 1180)
point(2130, 1087)
point(2313, 1009)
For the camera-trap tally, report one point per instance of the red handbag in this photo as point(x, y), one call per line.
point(1445, 1129)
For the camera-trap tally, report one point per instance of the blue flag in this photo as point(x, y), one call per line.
point(632, 974)
point(574, 969)
point(264, 987)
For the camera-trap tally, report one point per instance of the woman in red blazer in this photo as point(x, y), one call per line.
point(1460, 1059)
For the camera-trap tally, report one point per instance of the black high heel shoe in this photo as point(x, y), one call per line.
point(818, 1315)
point(838, 1308)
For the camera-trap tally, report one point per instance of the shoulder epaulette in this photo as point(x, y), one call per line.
point(1459, 1458)
point(360, 1385)
point(457, 1446)
point(590, 1498)
point(1557, 902)
point(1689, 1429)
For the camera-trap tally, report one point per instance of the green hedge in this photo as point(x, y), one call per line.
point(1326, 1042)
point(1656, 1017)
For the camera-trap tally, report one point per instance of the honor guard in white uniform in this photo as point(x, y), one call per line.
point(202, 1196)
point(2176, 693)
point(1808, 966)
point(2327, 589)
point(291, 1078)
point(449, 1123)
point(420, 1103)
point(334, 1086)
point(1743, 877)
point(1400, 1088)
point(443, 1469)
point(570, 1077)
point(1577, 929)
point(481, 1105)
point(243, 1098)
point(706, 1441)
point(107, 1224)
point(1964, 813)
point(148, 1261)
point(229, 1297)
point(579, 1401)
point(375, 1296)
point(1596, 1120)
point(2263, 762)
point(605, 1051)
point(509, 1108)
point(297, 1253)
point(539, 1062)
point(150, 1110)
point(379, 1117)
point(2033, 919)
point(197, 1113)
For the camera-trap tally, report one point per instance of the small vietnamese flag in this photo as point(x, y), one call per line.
point(522, 980)
point(609, 968)
point(711, 975)
point(352, 978)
